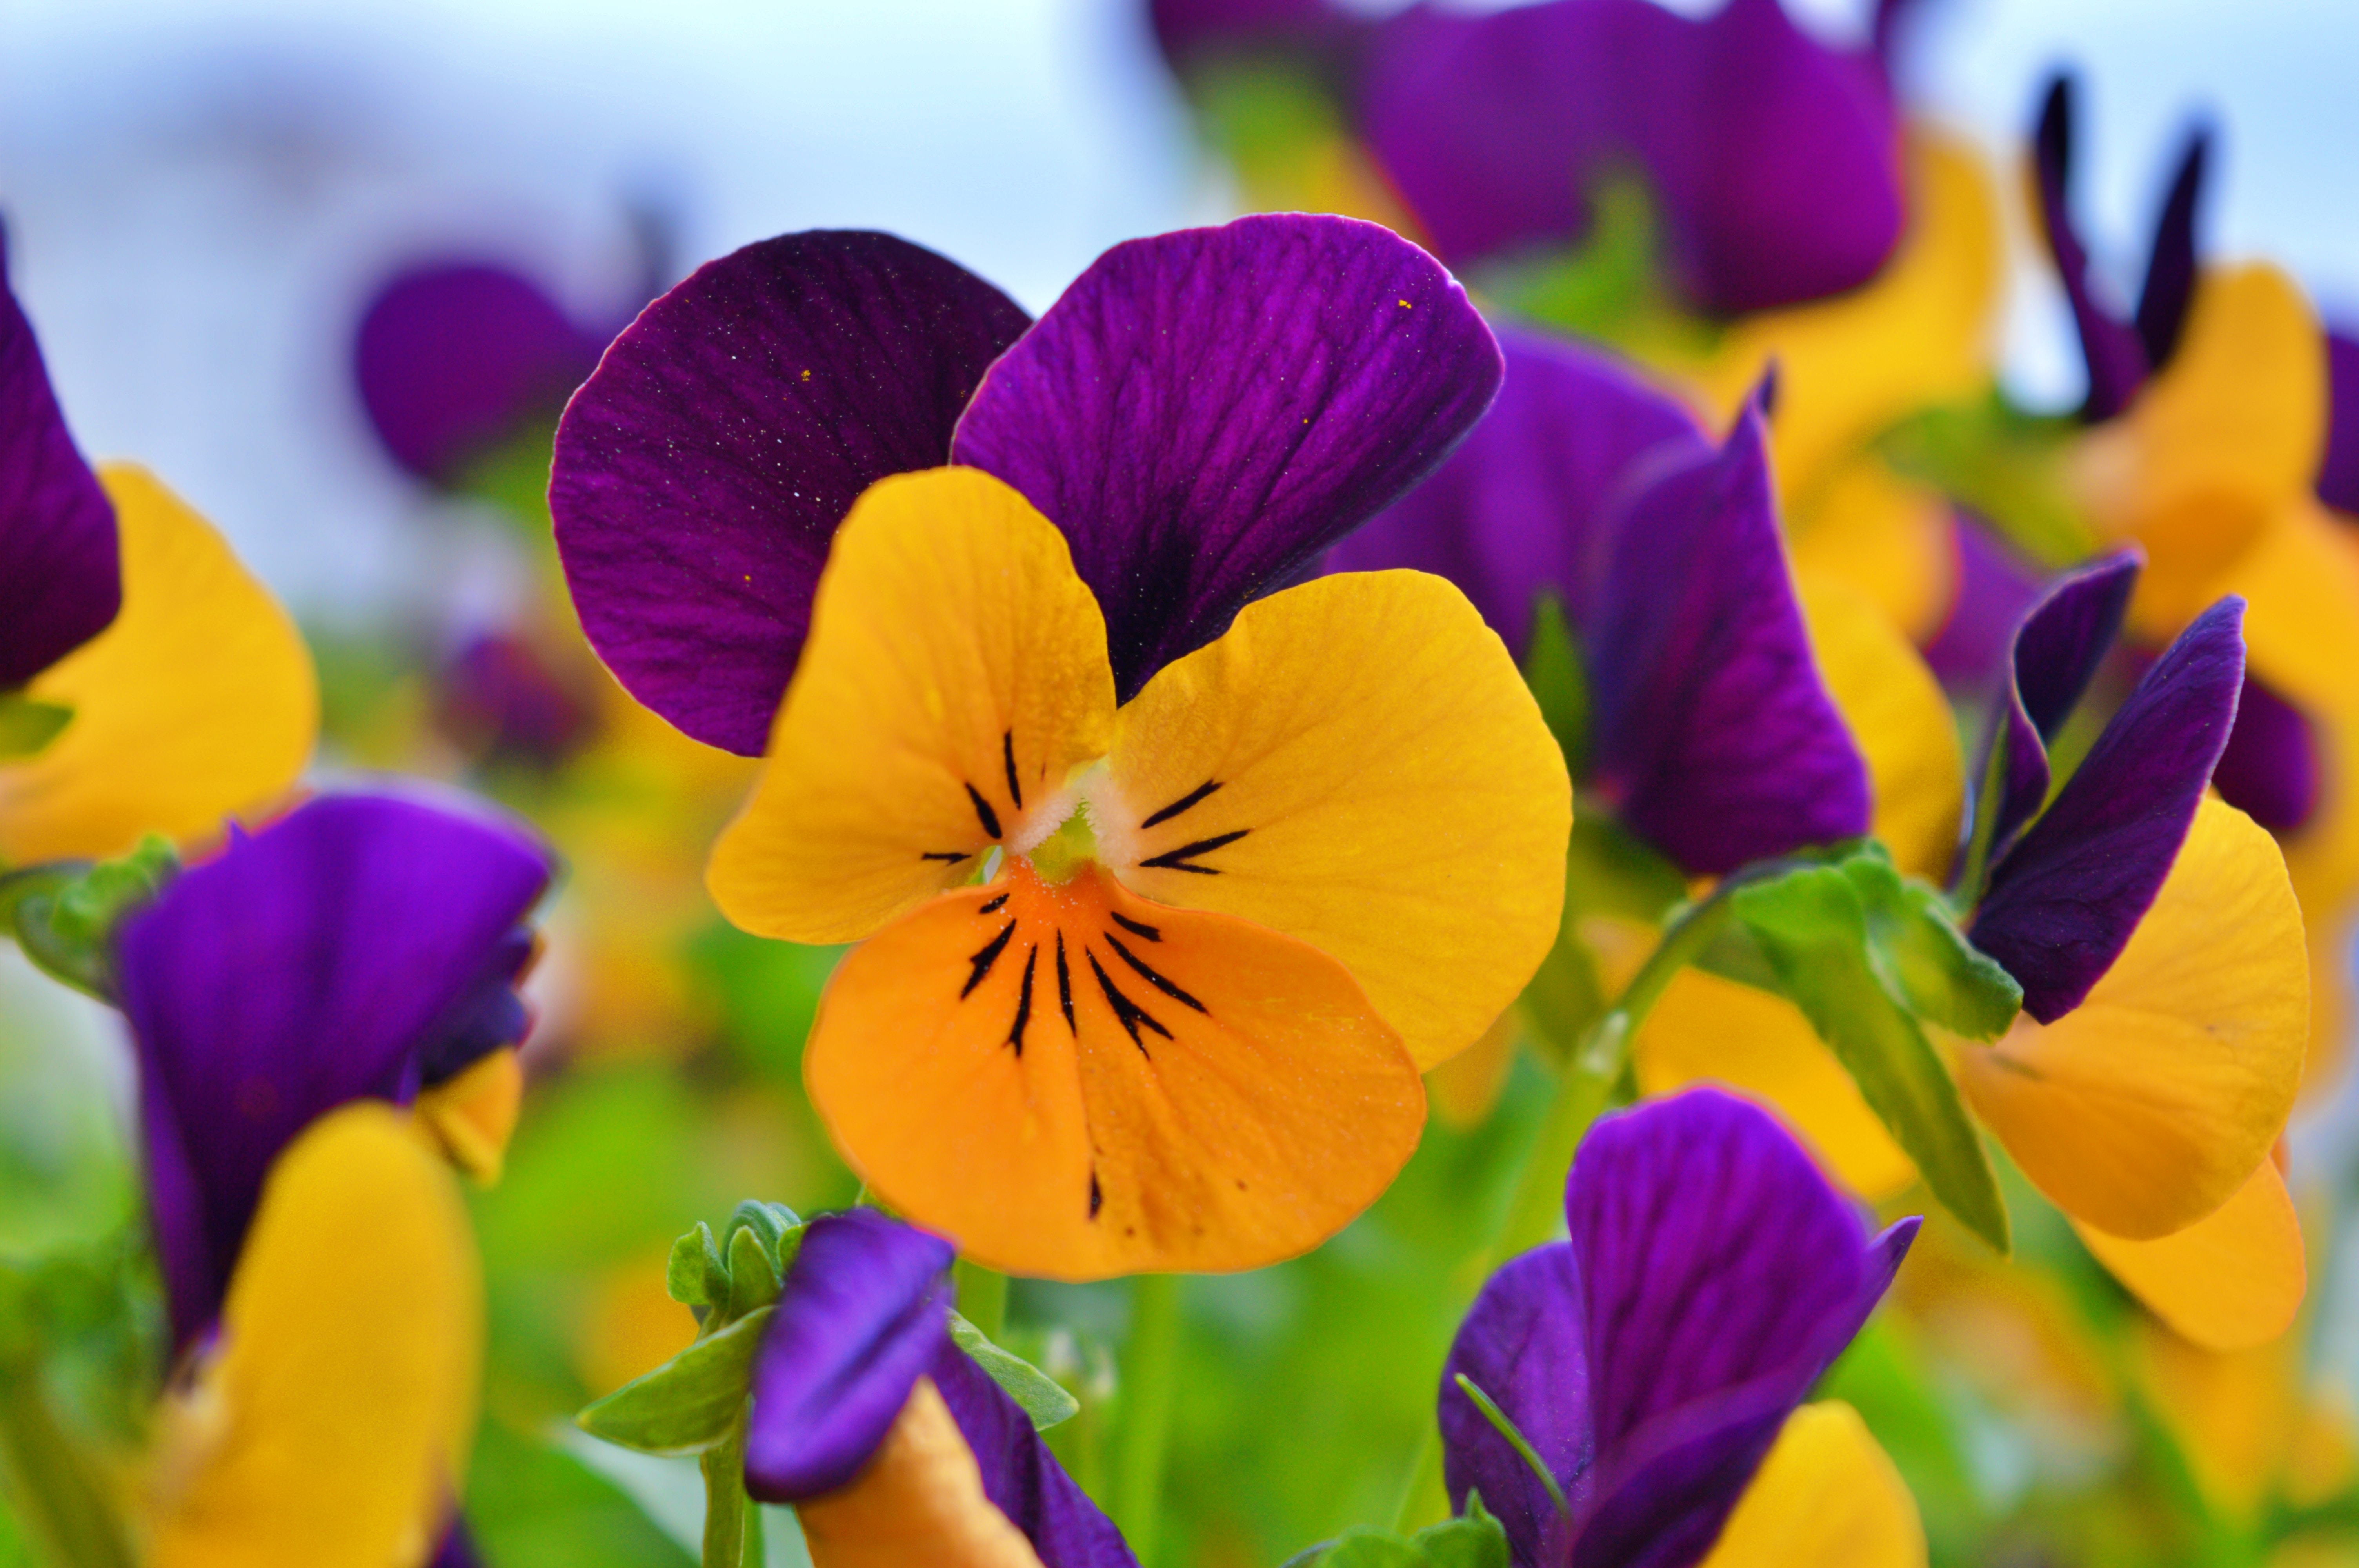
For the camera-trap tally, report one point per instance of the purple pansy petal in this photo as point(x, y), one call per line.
point(485, 1016)
point(499, 698)
point(2338, 470)
point(2271, 768)
point(865, 1313)
point(1710, 727)
point(1521, 1344)
point(307, 966)
point(457, 1551)
point(1513, 511)
point(1995, 588)
point(2116, 359)
point(1671, 1491)
point(1191, 31)
point(61, 583)
point(2170, 266)
point(2064, 901)
point(701, 472)
point(1204, 412)
point(1020, 1476)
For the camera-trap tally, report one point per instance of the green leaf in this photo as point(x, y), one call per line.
point(753, 1277)
point(1552, 669)
point(1366, 1548)
point(1812, 929)
point(1043, 1398)
point(1474, 1540)
point(698, 1276)
point(1609, 871)
point(1924, 960)
point(64, 914)
point(687, 1404)
point(27, 726)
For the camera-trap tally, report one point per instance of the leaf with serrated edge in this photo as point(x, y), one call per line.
point(687, 1404)
point(1042, 1396)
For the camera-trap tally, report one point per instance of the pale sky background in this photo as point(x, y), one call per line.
point(203, 192)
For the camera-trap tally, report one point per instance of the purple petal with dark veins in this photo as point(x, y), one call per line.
point(1020, 1476)
point(2271, 768)
point(2064, 901)
point(2337, 470)
point(863, 1314)
point(308, 965)
point(1522, 1345)
point(1995, 588)
point(1514, 511)
point(1710, 727)
point(2116, 358)
point(61, 583)
point(701, 472)
point(2170, 266)
point(1204, 412)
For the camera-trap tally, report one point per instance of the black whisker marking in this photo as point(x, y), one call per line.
point(1179, 859)
point(1152, 978)
point(985, 956)
point(1024, 1001)
point(1097, 1195)
point(1007, 759)
point(949, 857)
point(992, 907)
point(983, 811)
point(1136, 927)
point(1191, 799)
point(1126, 1012)
point(1065, 986)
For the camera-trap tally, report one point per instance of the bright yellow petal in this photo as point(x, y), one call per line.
point(198, 704)
point(1900, 720)
point(1827, 1497)
point(332, 1427)
point(1885, 537)
point(955, 672)
point(2146, 1107)
point(2230, 1281)
point(919, 1500)
point(472, 1114)
point(1075, 1083)
point(2236, 1414)
point(1706, 1029)
point(1355, 762)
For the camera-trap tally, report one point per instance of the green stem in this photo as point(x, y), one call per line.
point(982, 1298)
point(724, 1501)
point(52, 1490)
point(1151, 1366)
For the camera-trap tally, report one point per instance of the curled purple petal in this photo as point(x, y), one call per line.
point(317, 962)
point(2064, 901)
point(2271, 768)
point(1204, 412)
point(1020, 1476)
point(1710, 727)
point(1995, 588)
point(2338, 470)
point(60, 580)
point(2170, 266)
point(1515, 512)
point(863, 1314)
point(1522, 1344)
point(701, 472)
point(2116, 359)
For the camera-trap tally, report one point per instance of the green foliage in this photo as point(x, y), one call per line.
point(1923, 959)
point(1043, 1398)
point(1474, 1540)
point(530, 1503)
point(2007, 465)
point(692, 1401)
point(64, 914)
point(27, 725)
point(1552, 669)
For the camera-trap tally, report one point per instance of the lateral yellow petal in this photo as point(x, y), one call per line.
point(332, 1428)
point(2239, 1416)
point(2230, 1281)
point(1707, 1029)
point(1827, 1497)
point(955, 672)
point(1357, 764)
point(921, 1499)
point(1886, 537)
point(1899, 719)
point(2146, 1107)
point(1464, 1090)
point(199, 703)
point(472, 1114)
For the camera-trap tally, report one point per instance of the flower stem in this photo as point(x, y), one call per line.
point(1151, 1366)
point(725, 1500)
point(54, 1492)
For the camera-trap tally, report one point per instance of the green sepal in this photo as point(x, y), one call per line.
point(1924, 960)
point(697, 1276)
point(753, 1277)
point(64, 914)
point(1811, 927)
point(1474, 1540)
point(1043, 1398)
point(1552, 669)
point(691, 1402)
point(27, 725)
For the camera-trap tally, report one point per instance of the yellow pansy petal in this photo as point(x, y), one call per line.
point(1355, 762)
point(1706, 1029)
point(2237, 1415)
point(472, 1114)
point(955, 672)
point(330, 1431)
point(2232, 1280)
point(2146, 1107)
point(921, 1499)
point(1827, 1497)
point(1886, 539)
point(1074, 1083)
point(1900, 720)
point(199, 703)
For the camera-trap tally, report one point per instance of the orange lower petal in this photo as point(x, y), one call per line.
point(2230, 1281)
point(919, 1500)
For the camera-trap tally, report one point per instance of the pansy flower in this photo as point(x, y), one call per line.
point(149, 684)
point(1651, 1363)
point(892, 1444)
point(1171, 883)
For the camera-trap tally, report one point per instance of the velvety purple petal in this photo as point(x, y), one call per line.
point(1204, 412)
point(1020, 1476)
point(1672, 1490)
point(1522, 1344)
point(2170, 266)
point(2116, 359)
point(2064, 901)
point(61, 583)
point(2271, 768)
point(1710, 727)
point(1995, 588)
point(310, 965)
point(701, 472)
point(863, 1314)
point(2338, 470)
point(1514, 511)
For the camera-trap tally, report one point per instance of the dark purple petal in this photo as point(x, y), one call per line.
point(1672, 1491)
point(2170, 266)
point(1192, 30)
point(1995, 588)
point(1020, 1476)
point(1514, 511)
point(61, 583)
point(2064, 901)
point(457, 1551)
point(863, 1314)
point(501, 699)
point(1204, 412)
point(2116, 359)
point(2338, 470)
point(310, 965)
point(701, 473)
point(1710, 727)
point(1522, 1344)
point(2271, 768)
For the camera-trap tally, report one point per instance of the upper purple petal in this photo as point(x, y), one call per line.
point(2338, 470)
point(2171, 267)
point(1523, 1344)
point(1710, 727)
point(2064, 901)
point(61, 583)
point(1515, 510)
point(863, 1314)
point(1020, 1476)
point(1774, 161)
point(317, 962)
point(701, 472)
point(1204, 412)
point(2271, 768)
point(1996, 587)
point(2116, 357)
